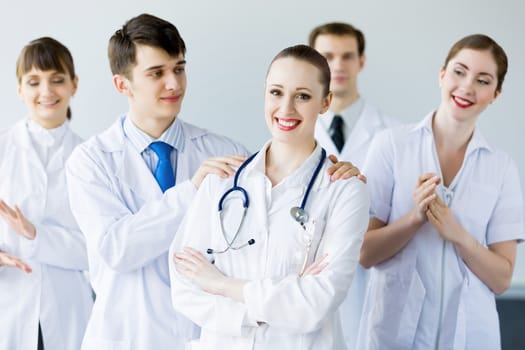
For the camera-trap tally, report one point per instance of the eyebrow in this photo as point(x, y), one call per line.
point(297, 89)
point(52, 74)
point(467, 68)
point(160, 66)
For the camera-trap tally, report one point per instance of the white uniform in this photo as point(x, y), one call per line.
point(281, 309)
point(369, 121)
point(56, 293)
point(425, 296)
point(129, 224)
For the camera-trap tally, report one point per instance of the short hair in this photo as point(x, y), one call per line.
point(481, 42)
point(45, 54)
point(339, 29)
point(309, 55)
point(144, 29)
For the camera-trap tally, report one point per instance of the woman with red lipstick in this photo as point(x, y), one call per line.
point(259, 277)
point(446, 217)
point(45, 299)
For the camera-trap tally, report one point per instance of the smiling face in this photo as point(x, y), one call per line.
point(156, 85)
point(468, 84)
point(293, 100)
point(47, 94)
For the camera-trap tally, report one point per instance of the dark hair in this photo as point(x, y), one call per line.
point(309, 55)
point(144, 29)
point(481, 42)
point(45, 54)
point(339, 29)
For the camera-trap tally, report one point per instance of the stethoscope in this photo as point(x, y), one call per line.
point(299, 214)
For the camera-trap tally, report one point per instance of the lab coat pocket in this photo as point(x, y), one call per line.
point(400, 298)
point(412, 310)
point(307, 243)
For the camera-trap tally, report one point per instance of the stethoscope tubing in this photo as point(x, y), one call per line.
point(246, 203)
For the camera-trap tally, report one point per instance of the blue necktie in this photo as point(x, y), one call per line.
point(164, 172)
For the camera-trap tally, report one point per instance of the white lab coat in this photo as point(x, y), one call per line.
point(56, 293)
point(355, 149)
point(297, 313)
point(426, 288)
point(129, 224)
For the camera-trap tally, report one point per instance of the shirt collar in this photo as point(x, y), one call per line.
point(173, 135)
point(300, 177)
point(46, 137)
point(477, 141)
point(350, 114)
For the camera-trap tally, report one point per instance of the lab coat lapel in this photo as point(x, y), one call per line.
point(136, 174)
point(57, 161)
point(323, 138)
point(23, 141)
point(361, 134)
point(130, 168)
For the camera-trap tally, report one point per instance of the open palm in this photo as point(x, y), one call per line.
point(17, 221)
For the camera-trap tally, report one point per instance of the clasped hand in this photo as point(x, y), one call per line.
point(430, 207)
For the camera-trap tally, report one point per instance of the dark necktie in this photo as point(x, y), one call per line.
point(164, 173)
point(336, 132)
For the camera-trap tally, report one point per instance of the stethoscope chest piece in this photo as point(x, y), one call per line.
point(299, 214)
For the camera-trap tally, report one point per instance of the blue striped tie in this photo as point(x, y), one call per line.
point(164, 173)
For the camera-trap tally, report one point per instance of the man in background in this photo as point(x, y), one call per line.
point(347, 129)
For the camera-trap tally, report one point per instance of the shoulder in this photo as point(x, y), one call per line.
point(382, 119)
point(352, 187)
point(12, 130)
point(398, 134)
point(211, 143)
point(97, 146)
point(75, 138)
point(495, 163)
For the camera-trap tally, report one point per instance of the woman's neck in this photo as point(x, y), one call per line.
point(451, 134)
point(283, 159)
point(49, 123)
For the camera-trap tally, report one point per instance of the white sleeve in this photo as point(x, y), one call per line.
point(124, 240)
point(56, 245)
point(506, 220)
point(279, 302)
point(378, 169)
point(217, 313)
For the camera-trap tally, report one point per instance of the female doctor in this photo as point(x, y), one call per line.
point(258, 278)
point(446, 217)
point(46, 300)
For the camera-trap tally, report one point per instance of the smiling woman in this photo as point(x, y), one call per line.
point(277, 275)
point(446, 217)
point(42, 251)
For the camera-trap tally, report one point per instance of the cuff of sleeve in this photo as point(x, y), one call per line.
point(505, 232)
point(252, 300)
point(239, 323)
point(29, 247)
point(380, 211)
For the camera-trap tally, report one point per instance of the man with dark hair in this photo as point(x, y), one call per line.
point(131, 185)
point(347, 129)
point(122, 191)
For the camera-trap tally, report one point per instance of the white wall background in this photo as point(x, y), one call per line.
point(231, 42)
